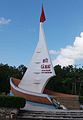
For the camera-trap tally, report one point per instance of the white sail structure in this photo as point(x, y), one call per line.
point(40, 69)
point(32, 85)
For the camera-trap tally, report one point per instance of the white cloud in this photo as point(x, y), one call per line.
point(70, 54)
point(4, 21)
point(53, 52)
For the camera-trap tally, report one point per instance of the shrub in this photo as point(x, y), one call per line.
point(12, 102)
point(81, 99)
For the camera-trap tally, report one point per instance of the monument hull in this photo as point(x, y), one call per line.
point(29, 96)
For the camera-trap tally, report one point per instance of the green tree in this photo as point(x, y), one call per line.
point(6, 72)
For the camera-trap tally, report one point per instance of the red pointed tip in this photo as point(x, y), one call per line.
point(42, 18)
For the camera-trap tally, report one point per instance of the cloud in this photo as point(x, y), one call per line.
point(4, 21)
point(71, 53)
point(53, 52)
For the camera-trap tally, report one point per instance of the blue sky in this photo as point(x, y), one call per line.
point(19, 30)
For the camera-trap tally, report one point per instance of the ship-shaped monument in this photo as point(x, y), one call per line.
point(33, 83)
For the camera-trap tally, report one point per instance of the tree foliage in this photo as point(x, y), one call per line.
point(67, 80)
point(6, 72)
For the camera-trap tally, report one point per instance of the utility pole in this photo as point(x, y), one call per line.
point(75, 87)
point(80, 87)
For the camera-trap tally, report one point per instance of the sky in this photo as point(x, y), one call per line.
point(19, 31)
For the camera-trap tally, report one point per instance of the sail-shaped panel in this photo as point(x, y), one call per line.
point(40, 69)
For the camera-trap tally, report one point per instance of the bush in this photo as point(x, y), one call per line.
point(81, 99)
point(12, 102)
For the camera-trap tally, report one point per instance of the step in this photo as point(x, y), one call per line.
point(57, 114)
